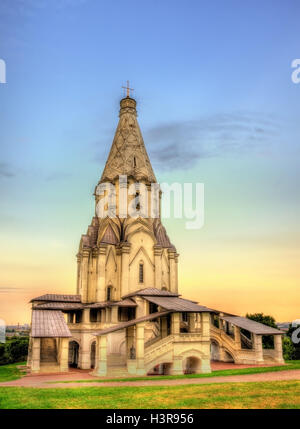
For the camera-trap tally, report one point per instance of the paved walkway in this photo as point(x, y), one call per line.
point(55, 380)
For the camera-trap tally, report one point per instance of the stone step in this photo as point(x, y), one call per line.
point(117, 371)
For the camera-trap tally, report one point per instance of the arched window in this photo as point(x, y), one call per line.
point(109, 293)
point(141, 272)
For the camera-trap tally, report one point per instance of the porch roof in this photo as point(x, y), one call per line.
point(251, 325)
point(49, 323)
point(178, 304)
point(57, 298)
point(151, 291)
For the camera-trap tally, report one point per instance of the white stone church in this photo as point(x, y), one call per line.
point(127, 316)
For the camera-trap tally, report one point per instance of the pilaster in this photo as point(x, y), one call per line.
point(36, 354)
point(100, 288)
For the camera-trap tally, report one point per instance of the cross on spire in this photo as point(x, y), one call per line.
point(128, 89)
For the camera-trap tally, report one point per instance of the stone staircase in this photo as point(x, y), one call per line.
point(48, 351)
point(48, 358)
point(157, 349)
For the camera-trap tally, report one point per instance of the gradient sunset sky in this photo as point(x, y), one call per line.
point(216, 105)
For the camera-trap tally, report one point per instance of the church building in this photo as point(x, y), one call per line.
point(127, 316)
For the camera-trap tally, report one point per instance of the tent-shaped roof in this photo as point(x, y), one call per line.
point(49, 323)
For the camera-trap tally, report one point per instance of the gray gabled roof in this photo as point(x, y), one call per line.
point(58, 298)
point(178, 304)
point(151, 291)
point(59, 306)
point(49, 323)
point(251, 325)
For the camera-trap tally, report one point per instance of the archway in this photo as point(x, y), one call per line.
point(228, 357)
point(93, 354)
point(192, 365)
point(214, 350)
point(73, 354)
point(161, 369)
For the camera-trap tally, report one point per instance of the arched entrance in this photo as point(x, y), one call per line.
point(93, 354)
point(214, 350)
point(73, 354)
point(228, 357)
point(192, 365)
point(161, 369)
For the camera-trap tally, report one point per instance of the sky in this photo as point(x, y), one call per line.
point(216, 105)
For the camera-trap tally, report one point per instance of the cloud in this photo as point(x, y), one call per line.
point(182, 144)
point(7, 289)
point(5, 170)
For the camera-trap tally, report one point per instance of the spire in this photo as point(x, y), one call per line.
point(128, 155)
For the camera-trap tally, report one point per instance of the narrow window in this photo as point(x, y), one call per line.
point(137, 200)
point(134, 162)
point(108, 293)
point(141, 273)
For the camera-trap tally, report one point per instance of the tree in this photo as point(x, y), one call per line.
point(267, 340)
point(287, 348)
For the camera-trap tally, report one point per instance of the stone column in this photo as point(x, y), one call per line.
point(64, 354)
point(278, 348)
point(84, 275)
point(115, 314)
point(177, 366)
point(93, 280)
point(29, 356)
point(171, 257)
point(100, 288)
point(36, 354)
point(237, 336)
point(140, 341)
point(205, 319)
point(192, 322)
point(205, 365)
point(141, 309)
point(259, 358)
point(78, 274)
point(101, 356)
point(84, 352)
point(164, 327)
point(175, 323)
point(85, 315)
point(108, 315)
point(103, 315)
point(157, 262)
point(125, 250)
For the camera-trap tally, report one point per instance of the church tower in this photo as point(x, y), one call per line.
point(126, 248)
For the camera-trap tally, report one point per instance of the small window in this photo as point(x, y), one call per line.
point(137, 200)
point(184, 317)
point(141, 273)
point(134, 162)
point(109, 293)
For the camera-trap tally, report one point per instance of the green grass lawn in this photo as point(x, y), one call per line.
point(10, 372)
point(275, 394)
point(293, 364)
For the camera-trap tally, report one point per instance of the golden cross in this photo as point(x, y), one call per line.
point(127, 89)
